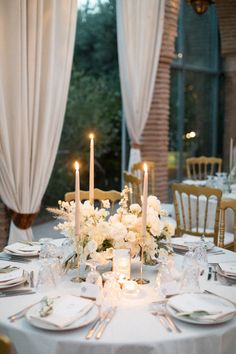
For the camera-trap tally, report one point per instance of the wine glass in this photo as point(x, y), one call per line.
point(93, 276)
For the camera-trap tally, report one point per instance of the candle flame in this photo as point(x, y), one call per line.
point(91, 136)
point(145, 167)
point(76, 165)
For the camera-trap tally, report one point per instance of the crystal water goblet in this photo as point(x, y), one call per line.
point(93, 276)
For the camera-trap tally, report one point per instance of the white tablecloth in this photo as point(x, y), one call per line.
point(133, 329)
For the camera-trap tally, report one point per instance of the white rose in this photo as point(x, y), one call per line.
point(131, 236)
point(153, 222)
point(106, 204)
point(91, 246)
point(87, 209)
point(114, 219)
point(154, 203)
point(129, 220)
point(135, 209)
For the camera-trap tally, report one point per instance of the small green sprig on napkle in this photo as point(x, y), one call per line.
point(195, 315)
point(46, 307)
point(7, 269)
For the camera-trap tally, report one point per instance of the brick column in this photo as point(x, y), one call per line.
point(4, 225)
point(226, 11)
point(155, 136)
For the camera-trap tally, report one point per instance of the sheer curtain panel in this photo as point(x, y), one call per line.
point(36, 50)
point(139, 30)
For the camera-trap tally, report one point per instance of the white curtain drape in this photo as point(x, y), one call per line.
point(139, 31)
point(36, 50)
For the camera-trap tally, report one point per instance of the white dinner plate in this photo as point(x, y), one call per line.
point(25, 254)
point(81, 322)
point(17, 282)
point(183, 245)
point(223, 274)
point(212, 298)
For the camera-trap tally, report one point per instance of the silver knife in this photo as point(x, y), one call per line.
point(94, 326)
point(105, 322)
point(172, 323)
point(17, 293)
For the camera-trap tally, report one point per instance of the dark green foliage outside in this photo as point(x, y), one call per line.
point(94, 105)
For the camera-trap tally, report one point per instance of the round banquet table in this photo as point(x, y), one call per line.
point(133, 330)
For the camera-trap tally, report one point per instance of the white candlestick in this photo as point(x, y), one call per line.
point(144, 201)
point(231, 154)
point(91, 169)
point(77, 200)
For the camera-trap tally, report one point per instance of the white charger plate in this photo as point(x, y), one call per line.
point(19, 281)
point(26, 254)
point(225, 275)
point(216, 300)
point(89, 317)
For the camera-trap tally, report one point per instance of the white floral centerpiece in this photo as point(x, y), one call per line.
point(100, 232)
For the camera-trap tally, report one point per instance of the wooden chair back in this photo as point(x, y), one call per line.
point(137, 170)
point(134, 183)
point(113, 196)
point(201, 167)
point(226, 204)
point(193, 219)
point(5, 345)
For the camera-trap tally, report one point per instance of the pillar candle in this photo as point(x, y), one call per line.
point(77, 200)
point(231, 155)
point(144, 200)
point(91, 169)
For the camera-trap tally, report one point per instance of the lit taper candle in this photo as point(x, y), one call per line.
point(144, 200)
point(77, 200)
point(91, 169)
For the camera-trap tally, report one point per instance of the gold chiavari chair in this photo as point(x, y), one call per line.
point(226, 239)
point(137, 170)
point(113, 196)
point(5, 345)
point(197, 210)
point(201, 167)
point(134, 183)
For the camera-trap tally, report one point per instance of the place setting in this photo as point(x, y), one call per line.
point(227, 270)
point(182, 244)
point(62, 313)
point(11, 280)
point(200, 308)
point(23, 249)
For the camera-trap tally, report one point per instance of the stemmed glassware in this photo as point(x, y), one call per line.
point(93, 276)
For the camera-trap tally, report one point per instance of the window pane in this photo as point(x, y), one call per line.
point(197, 118)
point(199, 37)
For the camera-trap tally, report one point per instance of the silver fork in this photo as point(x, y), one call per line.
point(161, 311)
point(105, 322)
point(21, 314)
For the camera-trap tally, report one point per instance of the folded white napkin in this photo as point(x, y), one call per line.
point(66, 310)
point(231, 195)
point(23, 249)
point(189, 303)
point(194, 182)
point(11, 277)
point(184, 241)
point(229, 268)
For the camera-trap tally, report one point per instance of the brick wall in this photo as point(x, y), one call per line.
point(155, 136)
point(226, 11)
point(4, 225)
